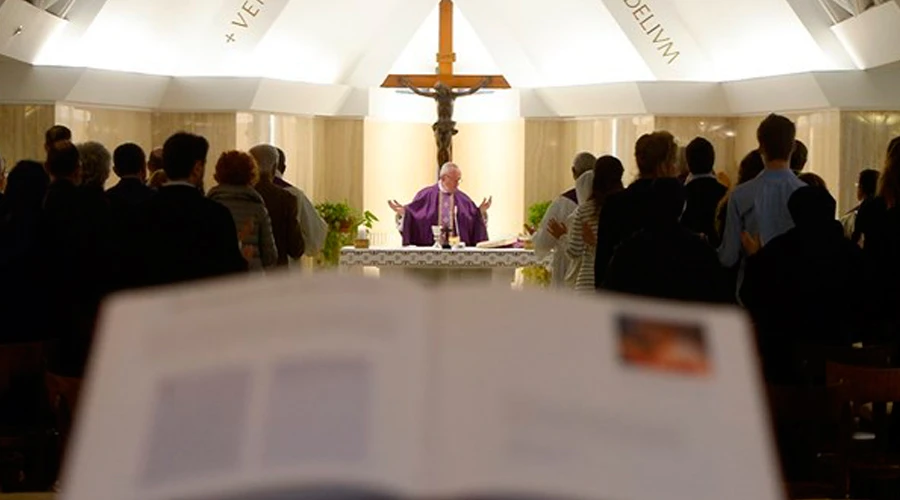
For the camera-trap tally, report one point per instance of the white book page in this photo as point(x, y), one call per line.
point(598, 398)
point(255, 387)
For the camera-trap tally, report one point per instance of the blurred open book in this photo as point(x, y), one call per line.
point(330, 386)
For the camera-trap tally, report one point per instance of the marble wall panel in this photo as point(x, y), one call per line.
point(110, 127)
point(547, 172)
point(551, 144)
point(717, 130)
point(338, 156)
point(292, 133)
point(22, 130)
point(864, 139)
point(399, 159)
point(220, 129)
point(492, 158)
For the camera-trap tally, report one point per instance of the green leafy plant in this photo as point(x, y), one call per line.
point(343, 223)
point(536, 214)
point(536, 275)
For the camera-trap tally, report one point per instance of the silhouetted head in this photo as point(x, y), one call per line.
point(184, 157)
point(129, 161)
point(799, 156)
point(655, 154)
point(26, 186)
point(867, 184)
point(700, 156)
point(812, 179)
point(56, 134)
point(811, 206)
point(63, 162)
point(776, 135)
point(751, 166)
point(608, 171)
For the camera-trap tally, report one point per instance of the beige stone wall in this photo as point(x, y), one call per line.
point(22, 131)
point(519, 162)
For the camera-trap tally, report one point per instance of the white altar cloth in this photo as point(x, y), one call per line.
point(437, 258)
point(437, 265)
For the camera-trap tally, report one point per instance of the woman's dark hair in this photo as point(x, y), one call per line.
point(751, 166)
point(812, 179)
point(181, 152)
point(889, 184)
point(26, 186)
point(608, 171)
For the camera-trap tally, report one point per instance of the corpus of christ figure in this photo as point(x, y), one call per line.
point(444, 128)
point(440, 86)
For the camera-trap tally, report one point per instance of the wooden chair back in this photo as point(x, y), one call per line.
point(811, 360)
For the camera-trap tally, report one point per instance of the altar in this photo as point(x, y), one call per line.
point(433, 265)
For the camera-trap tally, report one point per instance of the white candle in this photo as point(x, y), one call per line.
point(361, 233)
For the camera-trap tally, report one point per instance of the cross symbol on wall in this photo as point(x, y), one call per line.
point(229, 38)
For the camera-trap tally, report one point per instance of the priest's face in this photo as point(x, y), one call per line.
point(451, 180)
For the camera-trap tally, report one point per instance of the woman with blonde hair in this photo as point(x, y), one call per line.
point(236, 173)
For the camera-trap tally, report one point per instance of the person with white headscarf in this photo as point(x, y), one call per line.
point(551, 232)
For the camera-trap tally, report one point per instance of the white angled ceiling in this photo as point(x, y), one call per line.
point(534, 43)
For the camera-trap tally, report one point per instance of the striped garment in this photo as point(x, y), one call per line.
point(580, 253)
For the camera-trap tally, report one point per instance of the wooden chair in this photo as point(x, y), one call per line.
point(62, 393)
point(23, 425)
point(806, 420)
point(874, 458)
point(810, 360)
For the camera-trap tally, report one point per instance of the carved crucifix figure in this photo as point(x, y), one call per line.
point(444, 128)
point(441, 85)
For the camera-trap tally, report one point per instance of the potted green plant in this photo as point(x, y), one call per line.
point(536, 275)
point(343, 224)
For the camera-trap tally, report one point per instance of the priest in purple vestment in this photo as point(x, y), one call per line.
point(442, 204)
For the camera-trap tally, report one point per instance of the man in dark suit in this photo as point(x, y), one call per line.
point(703, 192)
point(809, 285)
point(664, 259)
point(281, 204)
point(627, 212)
point(130, 164)
point(75, 245)
point(180, 234)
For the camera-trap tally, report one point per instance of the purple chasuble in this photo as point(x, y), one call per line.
point(423, 212)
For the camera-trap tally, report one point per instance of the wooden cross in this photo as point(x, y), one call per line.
point(445, 59)
point(443, 83)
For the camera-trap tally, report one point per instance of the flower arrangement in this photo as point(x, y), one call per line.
point(343, 223)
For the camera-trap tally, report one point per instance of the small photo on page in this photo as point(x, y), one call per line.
point(663, 346)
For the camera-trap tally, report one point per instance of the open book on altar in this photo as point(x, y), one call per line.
point(338, 387)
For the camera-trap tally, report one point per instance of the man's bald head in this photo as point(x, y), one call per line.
point(266, 157)
point(582, 163)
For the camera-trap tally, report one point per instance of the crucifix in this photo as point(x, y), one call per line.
point(443, 84)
